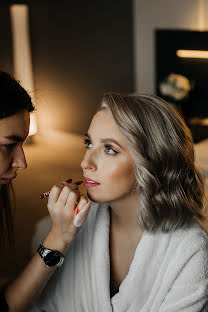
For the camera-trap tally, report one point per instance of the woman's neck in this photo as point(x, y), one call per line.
point(124, 213)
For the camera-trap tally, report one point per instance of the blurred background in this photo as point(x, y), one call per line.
point(67, 54)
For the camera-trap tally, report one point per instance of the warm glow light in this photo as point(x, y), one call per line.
point(22, 53)
point(192, 54)
point(33, 124)
point(201, 15)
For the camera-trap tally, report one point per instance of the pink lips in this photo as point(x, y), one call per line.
point(90, 183)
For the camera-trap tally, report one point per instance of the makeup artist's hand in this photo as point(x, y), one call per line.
point(61, 205)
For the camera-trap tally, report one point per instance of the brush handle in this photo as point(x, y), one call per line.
point(46, 194)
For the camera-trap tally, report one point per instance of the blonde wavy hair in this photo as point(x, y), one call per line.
point(169, 185)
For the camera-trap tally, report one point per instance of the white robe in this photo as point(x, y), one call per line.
point(169, 272)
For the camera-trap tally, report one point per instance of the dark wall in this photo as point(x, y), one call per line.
point(6, 62)
point(81, 49)
point(196, 70)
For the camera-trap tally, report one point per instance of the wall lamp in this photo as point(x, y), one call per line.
point(22, 58)
point(199, 54)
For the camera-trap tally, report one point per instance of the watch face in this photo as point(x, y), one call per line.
point(52, 258)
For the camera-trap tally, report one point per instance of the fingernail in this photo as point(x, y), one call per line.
point(78, 182)
point(69, 180)
point(80, 217)
point(75, 211)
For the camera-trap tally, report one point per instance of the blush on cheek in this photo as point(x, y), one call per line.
point(115, 173)
point(122, 176)
point(123, 171)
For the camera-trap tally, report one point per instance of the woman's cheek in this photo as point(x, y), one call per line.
point(121, 169)
point(118, 176)
point(4, 164)
point(123, 176)
point(115, 172)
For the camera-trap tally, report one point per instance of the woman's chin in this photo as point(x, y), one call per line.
point(95, 198)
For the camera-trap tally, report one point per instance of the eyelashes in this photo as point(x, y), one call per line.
point(86, 143)
point(108, 148)
point(10, 147)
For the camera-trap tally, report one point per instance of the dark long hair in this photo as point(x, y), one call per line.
point(170, 187)
point(13, 99)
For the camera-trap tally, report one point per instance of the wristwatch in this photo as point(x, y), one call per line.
point(51, 257)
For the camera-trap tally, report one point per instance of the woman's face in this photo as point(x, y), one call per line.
point(107, 161)
point(13, 132)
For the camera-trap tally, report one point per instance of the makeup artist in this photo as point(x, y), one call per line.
point(15, 107)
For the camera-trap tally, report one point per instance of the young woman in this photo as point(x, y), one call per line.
point(141, 248)
point(15, 107)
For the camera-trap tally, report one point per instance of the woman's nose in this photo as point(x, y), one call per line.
point(88, 162)
point(19, 160)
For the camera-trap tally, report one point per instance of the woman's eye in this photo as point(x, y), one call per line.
point(10, 146)
point(110, 150)
point(87, 143)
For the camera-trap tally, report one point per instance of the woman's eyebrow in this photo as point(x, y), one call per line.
point(106, 140)
point(15, 138)
point(111, 140)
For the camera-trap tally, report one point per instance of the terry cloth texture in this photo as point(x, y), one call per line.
point(169, 272)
